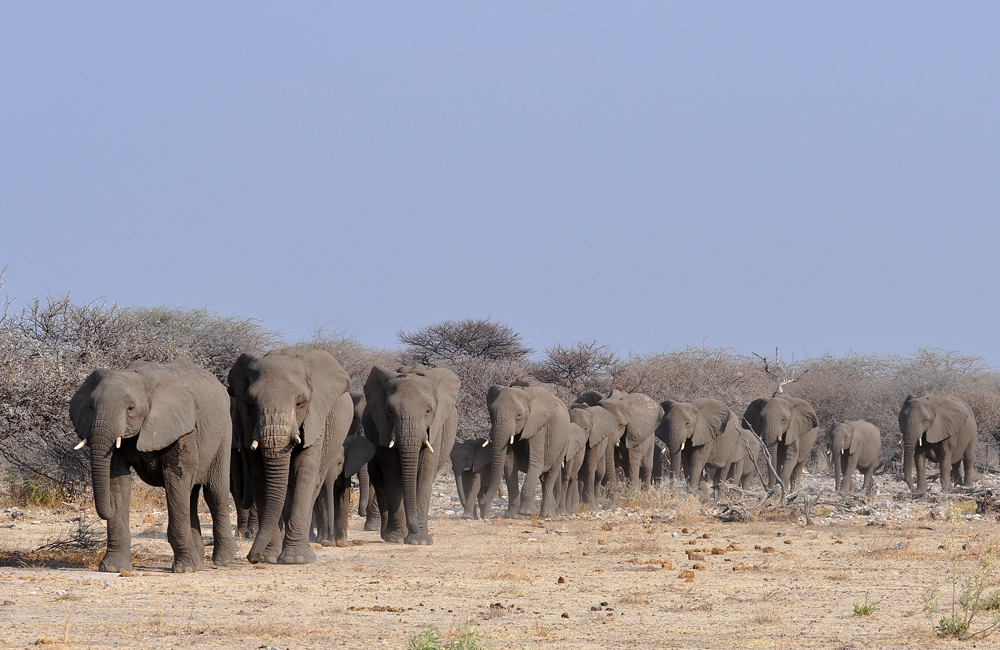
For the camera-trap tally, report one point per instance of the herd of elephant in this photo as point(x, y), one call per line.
point(290, 434)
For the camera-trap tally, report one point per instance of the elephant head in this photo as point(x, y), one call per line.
point(412, 408)
point(283, 399)
point(693, 424)
point(597, 422)
point(115, 405)
point(780, 418)
point(468, 456)
point(927, 420)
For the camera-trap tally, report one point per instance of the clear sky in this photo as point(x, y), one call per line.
point(818, 176)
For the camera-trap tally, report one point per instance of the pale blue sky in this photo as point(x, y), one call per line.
point(818, 176)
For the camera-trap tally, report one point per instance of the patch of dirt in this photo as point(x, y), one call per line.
point(660, 572)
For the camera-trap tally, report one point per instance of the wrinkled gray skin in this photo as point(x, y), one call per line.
point(854, 446)
point(702, 434)
point(367, 507)
point(413, 410)
point(634, 451)
point(788, 426)
point(294, 404)
point(942, 430)
point(538, 424)
point(612, 455)
point(175, 430)
point(329, 520)
point(470, 462)
point(601, 427)
point(576, 451)
point(744, 469)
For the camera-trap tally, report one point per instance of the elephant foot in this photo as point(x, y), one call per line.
point(511, 514)
point(373, 524)
point(327, 543)
point(256, 557)
point(115, 563)
point(187, 565)
point(394, 536)
point(300, 554)
point(420, 539)
point(223, 553)
point(526, 513)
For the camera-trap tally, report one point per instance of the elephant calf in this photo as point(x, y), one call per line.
point(854, 446)
point(470, 461)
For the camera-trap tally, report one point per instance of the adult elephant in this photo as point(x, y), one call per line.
point(171, 424)
point(411, 417)
point(295, 411)
point(942, 430)
point(602, 429)
point(788, 426)
point(532, 422)
point(641, 416)
point(700, 434)
point(367, 507)
point(853, 446)
point(470, 462)
point(240, 483)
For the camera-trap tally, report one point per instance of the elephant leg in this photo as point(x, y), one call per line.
point(385, 475)
point(848, 480)
point(426, 473)
point(969, 461)
point(197, 537)
point(869, 477)
point(304, 475)
point(117, 558)
point(342, 506)
point(610, 479)
point(373, 517)
point(364, 487)
point(550, 492)
point(464, 481)
point(513, 489)
point(532, 477)
point(223, 545)
point(182, 518)
point(696, 462)
point(946, 468)
point(474, 497)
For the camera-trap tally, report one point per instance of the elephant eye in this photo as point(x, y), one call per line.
point(131, 408)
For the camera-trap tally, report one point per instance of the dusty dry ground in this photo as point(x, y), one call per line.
point(612, 579)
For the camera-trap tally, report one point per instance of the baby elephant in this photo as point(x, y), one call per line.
point(470, 460)
point(854, 445)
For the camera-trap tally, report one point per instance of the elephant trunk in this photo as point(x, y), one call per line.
point(107, 430)
point(500, 434)
point(837, 469)
point(911, 435)
point(460, 484)
point(411, 441)
point(246, 502)
point(773, 479)
point(676, 464)
point(772, 432)
point(275, 431)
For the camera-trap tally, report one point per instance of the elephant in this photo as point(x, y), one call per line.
point(241, 487)
point(788, 426)
point(942, 430)
point(367, 507)
point(744, 467)
point(531, 422)
point(171, 424)
point(295, 411)
point(576, 452)
point(470, 461)
point(700, 434)
point(601, 427)
point(412, 418)
point(334, 500)
point(854, 445)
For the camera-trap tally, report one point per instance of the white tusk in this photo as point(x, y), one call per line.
point(296, 439)
point(919, 441)
point(487, 442)
point(682, 445)
point(564, 464)
point(80, 445)
point(118, 443)
point(253, 445)
point(427, 443)
point(512, 440)
point(392, 443)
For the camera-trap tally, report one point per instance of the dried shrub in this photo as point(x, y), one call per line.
point(482, 338)
point(582, 366)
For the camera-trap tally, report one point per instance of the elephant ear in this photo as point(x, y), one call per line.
point(751, 417)
point(375, 397)
point(358, 450)
point(328, 381)
point(590, 398)
point(446, 387)
point(577, 441)
point(713, 416)
point(803, 420)
point(238, 384)
point(855, 442)
point(79, 407)
point(542, 408)
point(172, 413)
point(949, 418)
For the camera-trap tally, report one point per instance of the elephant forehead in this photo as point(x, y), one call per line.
point(510, 399)
point(775, 408)
point(274, 383)
point(117, 385)
point(410, 388)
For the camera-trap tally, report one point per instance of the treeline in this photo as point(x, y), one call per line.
point(49, 347)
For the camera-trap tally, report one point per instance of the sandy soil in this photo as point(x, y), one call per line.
point(609, 579)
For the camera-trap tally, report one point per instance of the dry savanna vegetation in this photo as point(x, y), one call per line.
point(657, 568)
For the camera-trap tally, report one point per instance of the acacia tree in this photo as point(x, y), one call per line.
point(584, 365)
point(482, 338)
